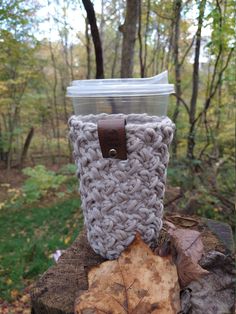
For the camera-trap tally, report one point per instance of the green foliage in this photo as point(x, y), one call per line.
point(68, 169)
point(40, 182)
point(226, 179)
point(18, 67)
point(29, 236)
point(17, 16)
point(207, 190)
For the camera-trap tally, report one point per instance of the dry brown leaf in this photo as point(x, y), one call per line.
point(21, 305)
point(188, 242)
point(214, 293)
point(189, 248)
point(138, 282)
point(188, 271)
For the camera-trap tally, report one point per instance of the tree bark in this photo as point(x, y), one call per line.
point(13, 123)
point(146, 37)
point(102, 21)
point(26, 146)
point(88, 50)
point(195, 80)
point(177, 12)
point(96, 38)
point(55, 100)
point(129, 30)
point(3, 153)
point(143, 54)
point(117, 44)
point(140, 40)
point(56, 290)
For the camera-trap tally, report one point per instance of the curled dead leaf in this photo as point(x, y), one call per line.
point(188, 271)
point(189, 249)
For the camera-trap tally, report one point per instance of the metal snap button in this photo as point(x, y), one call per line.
point(112, 153)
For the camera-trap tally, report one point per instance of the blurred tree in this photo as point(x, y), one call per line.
point(143, 54)
point(17, 69)
point(195, 81)
point(88, 49)
point(129, 30)
point(88, 5)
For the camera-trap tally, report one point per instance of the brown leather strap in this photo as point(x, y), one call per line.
point(112, 138)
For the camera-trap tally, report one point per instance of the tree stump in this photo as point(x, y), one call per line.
point(55, 292)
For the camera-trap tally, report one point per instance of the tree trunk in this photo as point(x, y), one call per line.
point(170, 42)
point(177, 12)
point(26, 146)
point(146, 37)
point(102, 21)
point(71, 62)
point(55, 102)
point(140, 40)
point(129, 36)
point(117, 44)
point(88, 50)
point(156, 55)
point(96, 38)
point(55, 292)
point(143, 55)
point(195, 83)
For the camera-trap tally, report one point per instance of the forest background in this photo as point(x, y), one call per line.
point(44, 45)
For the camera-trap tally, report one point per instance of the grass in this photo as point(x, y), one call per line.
point(28, 238)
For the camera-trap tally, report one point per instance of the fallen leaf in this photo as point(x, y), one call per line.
point(188, 271)
point(188, 242)
point(138, 282)
point(14, 293)
point(25, 298)
point(20, 305)
point(9, 281)
point(189, 248)
point(67, 240)
point(182, 221)
point(214, 293)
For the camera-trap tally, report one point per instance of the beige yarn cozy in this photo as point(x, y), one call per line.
point(122, 197)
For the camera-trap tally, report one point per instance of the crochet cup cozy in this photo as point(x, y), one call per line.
point(121, 198)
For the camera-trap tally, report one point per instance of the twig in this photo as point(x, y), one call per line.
point(187, 51)
point(208, 101)
point(182, 218)
point(174, 199)
point(183, 102)
point(207, 136)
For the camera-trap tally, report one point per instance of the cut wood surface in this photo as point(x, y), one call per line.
point(59, 287)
